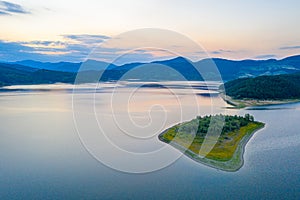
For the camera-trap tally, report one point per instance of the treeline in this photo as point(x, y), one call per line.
point(276, 87)
point(222, 123)
point(21, 75)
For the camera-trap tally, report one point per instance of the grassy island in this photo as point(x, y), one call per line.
point(226, 136)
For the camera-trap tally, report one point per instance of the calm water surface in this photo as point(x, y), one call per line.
point(42, 156)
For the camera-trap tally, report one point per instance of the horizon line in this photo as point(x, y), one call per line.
point(158, 60)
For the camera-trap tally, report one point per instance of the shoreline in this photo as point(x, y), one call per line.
point(244, 103)
point(232, 165)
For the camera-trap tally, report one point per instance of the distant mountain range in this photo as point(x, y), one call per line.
point(34, 72)
point(65, 66)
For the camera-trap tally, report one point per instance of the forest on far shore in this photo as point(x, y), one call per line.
point(277, 87)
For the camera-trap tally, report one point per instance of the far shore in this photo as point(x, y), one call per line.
point(243, 103)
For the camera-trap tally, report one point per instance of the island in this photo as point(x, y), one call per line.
point(262, 90)
point(226, 135)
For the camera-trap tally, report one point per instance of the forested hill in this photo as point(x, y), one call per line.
point(276, 87)
point(21, 75)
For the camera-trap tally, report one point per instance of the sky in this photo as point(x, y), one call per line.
point(69, 30)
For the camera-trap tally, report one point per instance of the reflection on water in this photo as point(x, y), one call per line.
point(43, 158)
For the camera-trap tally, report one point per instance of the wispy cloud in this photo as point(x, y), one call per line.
point(73, 48)
point(267, 56)
point(3, 13)
point(221, 51)
point(45, 44)
point(77, 48)
point(8, 8)
point(13, 51)
point(290, 47)
point(40, 51)
point(86, 39)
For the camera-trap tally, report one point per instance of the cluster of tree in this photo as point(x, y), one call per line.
point(222, 123)
point(277, 87)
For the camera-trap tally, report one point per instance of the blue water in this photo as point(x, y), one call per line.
point(43, 158)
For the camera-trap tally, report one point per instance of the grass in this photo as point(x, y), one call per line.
point(225, 148)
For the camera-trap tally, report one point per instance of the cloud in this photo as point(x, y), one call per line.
point(50, 51)
point(86, 39)
point(289, 47)
point(43, 45)
point(7, 8)
point(72, 48)
point(267, 56)
point(37, 42)
point(220, 51)
point(117, 54)
point(77, 48)
point(3, 13)
point(13, 51)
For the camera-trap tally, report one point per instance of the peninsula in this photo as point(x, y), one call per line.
point(226, 135)
point(262, 90)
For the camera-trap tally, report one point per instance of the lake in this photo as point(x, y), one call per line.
point(51, 146)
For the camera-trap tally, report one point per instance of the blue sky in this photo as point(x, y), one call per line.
point(68, 30)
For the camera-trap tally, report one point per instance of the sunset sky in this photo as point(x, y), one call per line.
point(67, 30)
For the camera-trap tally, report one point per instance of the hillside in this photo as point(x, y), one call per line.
point(232, 69)
point(278, 87)
point(21, 75)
